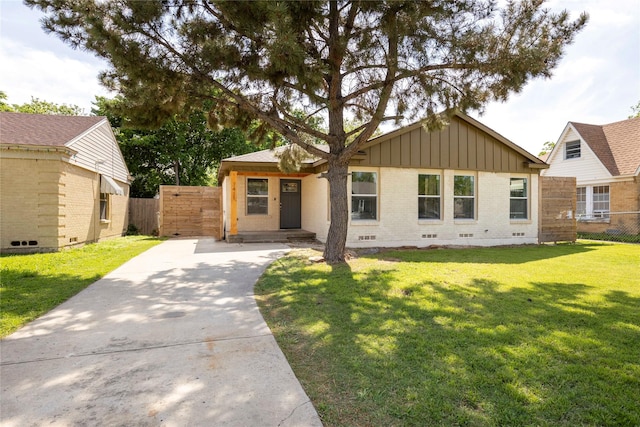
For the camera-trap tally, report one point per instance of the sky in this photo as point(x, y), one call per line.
point(597, 81)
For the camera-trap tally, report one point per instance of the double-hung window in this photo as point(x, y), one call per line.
point(429, 197)
point(592, 203)
point(364, 195)
point(464, 199)
point(518, 202)
point(601, 201)
point(257, 196)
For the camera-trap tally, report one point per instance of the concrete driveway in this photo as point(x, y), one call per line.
point(173, 337)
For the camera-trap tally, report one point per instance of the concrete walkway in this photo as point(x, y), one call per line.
point(173, 337)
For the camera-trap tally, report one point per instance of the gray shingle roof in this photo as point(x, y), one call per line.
point(43, 129)
point(266, 156)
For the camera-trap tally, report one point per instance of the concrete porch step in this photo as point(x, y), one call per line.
point(277, 236)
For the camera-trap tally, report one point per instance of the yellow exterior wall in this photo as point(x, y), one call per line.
point(46, 200)
point(80, 210)
point(268, 222)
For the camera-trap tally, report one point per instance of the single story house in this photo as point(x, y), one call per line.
point(463, 185)
point(63, 182)
point(605, 160)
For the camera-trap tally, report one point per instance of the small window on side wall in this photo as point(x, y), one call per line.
point(572, 150)
point(104, 206)
point(257, 196)
point(518, 202)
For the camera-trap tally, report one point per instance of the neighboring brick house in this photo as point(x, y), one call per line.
point(463, 185)
point(605, 160)
point(63, 182)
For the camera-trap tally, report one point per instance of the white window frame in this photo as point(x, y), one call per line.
point(591, 199)
point(473, 197)
point(430, 196)
point(250, 196)
point(364, 195)
point(581, 201)
point(525, 198)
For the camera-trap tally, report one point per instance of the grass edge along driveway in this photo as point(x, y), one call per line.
point(531, 335)
point(33, 284)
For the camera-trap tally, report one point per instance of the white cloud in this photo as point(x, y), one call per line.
point(29, 72)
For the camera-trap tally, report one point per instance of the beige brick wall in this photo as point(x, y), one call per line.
point(398, 223)
point(624, 203)
point(80, 200)
point(49, 201)
point(29, 208)
point(625, 196)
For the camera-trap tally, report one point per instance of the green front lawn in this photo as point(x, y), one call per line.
point(524, 336)
point(31, 285)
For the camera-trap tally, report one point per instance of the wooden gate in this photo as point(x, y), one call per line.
point(143, 213)
point(190, 211)
point(557, 209)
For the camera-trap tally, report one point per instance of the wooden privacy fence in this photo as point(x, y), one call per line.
point(190, 211)
point(557, 209)
point(143, 213)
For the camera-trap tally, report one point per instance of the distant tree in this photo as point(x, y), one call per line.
point(636, 111)
point(183, 151)
point(3, 105)
point(37, 106)
point(377, 61)
point(546, 148)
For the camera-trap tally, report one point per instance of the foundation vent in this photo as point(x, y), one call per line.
point(517, 234)
point(369, 237)
point(465, 235)
point(429, 236)
point(24, 243)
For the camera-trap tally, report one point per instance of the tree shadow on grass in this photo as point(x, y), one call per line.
point(371, 351)
point(27, 295)
point(492, 255)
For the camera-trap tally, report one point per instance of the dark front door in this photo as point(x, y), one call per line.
point(290, 203)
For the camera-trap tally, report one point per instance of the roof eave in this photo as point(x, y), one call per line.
point(41, 148)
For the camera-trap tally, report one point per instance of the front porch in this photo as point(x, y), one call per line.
point(275, 236)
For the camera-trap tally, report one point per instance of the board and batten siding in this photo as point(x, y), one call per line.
point(458, 146)
point(585, 169)
point(99, 144)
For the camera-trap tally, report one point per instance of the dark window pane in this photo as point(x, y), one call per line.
point(257, 205)
point(363, 183)
point(429, 207)
point(463, 186)
point(518, 208)
point(364, 207)
point(463, 208)
point(518, 187)
point(258, 187)
point(429, 185)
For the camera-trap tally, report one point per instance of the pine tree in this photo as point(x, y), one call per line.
point(375, 61)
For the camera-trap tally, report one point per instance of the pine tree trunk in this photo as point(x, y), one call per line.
point(337, 236)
